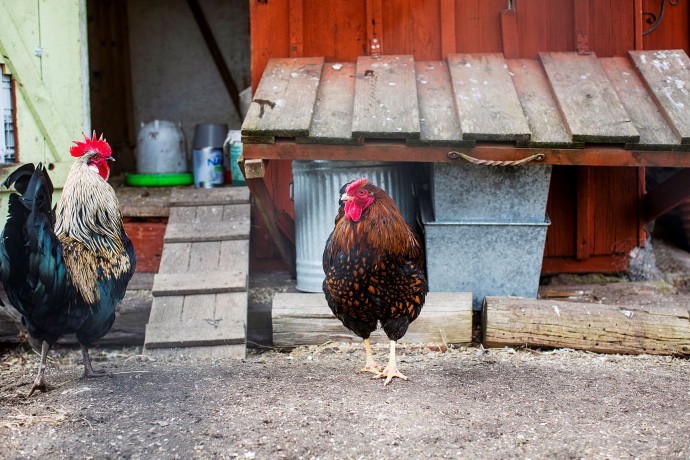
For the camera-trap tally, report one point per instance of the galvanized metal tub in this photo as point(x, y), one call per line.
point(485, 258)
point(316, 190)
point(463, 192)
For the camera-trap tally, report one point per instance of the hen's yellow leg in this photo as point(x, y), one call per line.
point(391, 369)
point(370, 365)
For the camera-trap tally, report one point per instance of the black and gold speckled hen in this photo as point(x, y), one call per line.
point(374, 269)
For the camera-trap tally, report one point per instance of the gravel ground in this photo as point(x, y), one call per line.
point(461, 403)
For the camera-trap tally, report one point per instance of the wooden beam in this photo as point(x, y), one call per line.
point(215, 282)
point(267, 211)
point(667, 195)
point(216, 54)
point(627, 329)
point(398, 151)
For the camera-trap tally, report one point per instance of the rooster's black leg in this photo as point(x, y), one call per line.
point(39, 381)
point(88, 370)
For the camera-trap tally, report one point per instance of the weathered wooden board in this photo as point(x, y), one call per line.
point(655, 133)
point(210, 231)
point(208, 196)
point(385, 103)
point(540, 108)
point(144, 202)
point(438, 116)
point(487, 104)
point(305, 319)
point(667, 75)
point(331, 122)
point(284, 101)
point(588, 103)
point(210, 282)
point(192, 333)
point(629, 329)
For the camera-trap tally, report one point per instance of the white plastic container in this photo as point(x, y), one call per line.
point(161, 148)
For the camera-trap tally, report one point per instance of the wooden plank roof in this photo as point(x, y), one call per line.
point(477, 103)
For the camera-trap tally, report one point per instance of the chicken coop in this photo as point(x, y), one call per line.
point(531, 122)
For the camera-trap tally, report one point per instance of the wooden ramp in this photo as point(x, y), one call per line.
point(200, 291)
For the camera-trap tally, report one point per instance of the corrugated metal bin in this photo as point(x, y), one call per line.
point(317, 185)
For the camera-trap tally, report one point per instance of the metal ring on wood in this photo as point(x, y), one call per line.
point(536, 157)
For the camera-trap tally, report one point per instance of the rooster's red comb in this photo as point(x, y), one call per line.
point(355, 184)
point(90, 145)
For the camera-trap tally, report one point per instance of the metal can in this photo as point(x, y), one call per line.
point(208, 167)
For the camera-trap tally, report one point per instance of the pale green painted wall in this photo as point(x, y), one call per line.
point(52, 90)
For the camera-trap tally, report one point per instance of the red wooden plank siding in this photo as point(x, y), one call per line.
point(340, 30)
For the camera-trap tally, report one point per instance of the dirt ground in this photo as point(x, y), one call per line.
point(462, 403)
point(310, 403)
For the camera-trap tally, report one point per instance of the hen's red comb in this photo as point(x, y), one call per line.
point(90, 145)
point(355, 184)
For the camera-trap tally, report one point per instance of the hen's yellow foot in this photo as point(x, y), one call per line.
point(373, 368)
point(389, 374)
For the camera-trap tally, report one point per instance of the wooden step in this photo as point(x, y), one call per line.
point(215, 282)
point(306, 319)
point(209, 196)
point(194, 333)
point(208, 231)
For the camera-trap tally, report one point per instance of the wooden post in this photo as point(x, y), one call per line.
point(585, 210)
point(639, 43)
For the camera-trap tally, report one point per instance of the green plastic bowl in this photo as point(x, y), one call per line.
point(159, 180)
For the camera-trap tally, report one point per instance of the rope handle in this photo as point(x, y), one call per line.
point(536, 157)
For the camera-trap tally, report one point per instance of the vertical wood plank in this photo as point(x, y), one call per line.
point(586, 99)
point(585, 208)
point(333, 110)
point(639, 42)
point(655, 133)
point(374, 23)
point(448, 36)
point(296, 27)
point(284, 101)
point(386, 98)
point(198, 306)
point(666, 73)
point(487, 103)
point(166, 309)
point(582, 26)
point(540, 108)
point(509, 34)
point(269, 34)
point(438, 117)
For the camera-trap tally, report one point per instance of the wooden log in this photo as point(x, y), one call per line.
point(626, 329)
point(305, 319)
